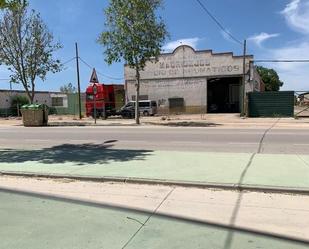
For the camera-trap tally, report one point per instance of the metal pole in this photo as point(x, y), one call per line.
point(243, 111)
point(104, 110)
point(95, 107)
point(78, 82)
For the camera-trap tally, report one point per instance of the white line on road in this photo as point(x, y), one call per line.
point(233, 143)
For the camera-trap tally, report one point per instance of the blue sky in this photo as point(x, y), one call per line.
point(275, 29)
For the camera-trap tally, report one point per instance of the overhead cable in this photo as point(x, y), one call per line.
point(218, 23)
point(289, 61)
point(104, 75)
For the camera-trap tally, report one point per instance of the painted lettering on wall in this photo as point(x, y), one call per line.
point(186, 63)
point(215, 70)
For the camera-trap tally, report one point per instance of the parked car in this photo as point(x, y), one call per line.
point(127, 111)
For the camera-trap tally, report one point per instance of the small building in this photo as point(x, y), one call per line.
point(194, 81)
point(59, 103)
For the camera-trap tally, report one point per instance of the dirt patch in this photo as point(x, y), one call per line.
point(185, 124)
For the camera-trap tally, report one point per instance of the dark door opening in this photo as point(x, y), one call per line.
point(176, 105)
point(223, 95)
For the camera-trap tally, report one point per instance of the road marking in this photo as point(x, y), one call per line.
point(232, 143)
point(37, 140)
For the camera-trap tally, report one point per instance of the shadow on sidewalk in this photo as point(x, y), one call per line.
point(79, 154)
point(163, 229)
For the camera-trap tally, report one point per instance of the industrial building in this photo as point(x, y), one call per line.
point(195, 81)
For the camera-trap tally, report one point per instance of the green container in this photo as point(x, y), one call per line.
point(34, 114)
point(33, 107)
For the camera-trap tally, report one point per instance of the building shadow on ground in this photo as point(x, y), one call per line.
point(79, 154)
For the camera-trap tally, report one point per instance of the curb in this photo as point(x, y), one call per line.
point(134, 180)
point(86, 124)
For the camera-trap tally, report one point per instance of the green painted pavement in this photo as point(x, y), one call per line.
point(165, 233)
point(35, 223)
point(279, 170)
point(289, 171)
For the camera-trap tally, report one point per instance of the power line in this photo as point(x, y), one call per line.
point(68, 61)
point(104, 75)
point(218, 23)
point(279, 61)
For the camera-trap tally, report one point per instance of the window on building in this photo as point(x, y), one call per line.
point(57, 101)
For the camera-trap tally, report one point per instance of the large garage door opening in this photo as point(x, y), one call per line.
point(223, 95)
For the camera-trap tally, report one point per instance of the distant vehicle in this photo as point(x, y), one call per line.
point(146, 107)
point(104, 100)
point(127, 111)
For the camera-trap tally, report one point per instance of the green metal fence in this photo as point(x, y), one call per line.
point(72, 108)
point(271, 104)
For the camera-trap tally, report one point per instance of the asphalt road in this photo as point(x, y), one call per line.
point(281, 141)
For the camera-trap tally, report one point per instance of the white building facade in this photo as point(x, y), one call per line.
point(194, 81)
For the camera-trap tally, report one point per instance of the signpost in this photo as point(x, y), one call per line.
point(95, 90)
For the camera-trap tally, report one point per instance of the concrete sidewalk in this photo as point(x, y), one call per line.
point(207, 120)
point(103, 215)
point(38, 221)
point(226, 170)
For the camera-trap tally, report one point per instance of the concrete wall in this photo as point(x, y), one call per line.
point(70, 101)
point(185, 62)
point(193, 90)
point(6, 95)
point(184, 74)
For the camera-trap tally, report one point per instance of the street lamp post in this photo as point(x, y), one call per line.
point(95, 90)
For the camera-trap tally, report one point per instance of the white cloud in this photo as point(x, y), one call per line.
point(258, 39)
point(292, 52)
point(192, 42)
point(294, 75)
point(296, 14)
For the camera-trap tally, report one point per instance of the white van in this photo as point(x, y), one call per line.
point(146, 107)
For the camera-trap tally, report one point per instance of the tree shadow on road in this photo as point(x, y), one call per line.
point(79, 154)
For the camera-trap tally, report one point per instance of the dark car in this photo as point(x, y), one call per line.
point(127, 112)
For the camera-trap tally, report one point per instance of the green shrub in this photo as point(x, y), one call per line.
point(18, 101)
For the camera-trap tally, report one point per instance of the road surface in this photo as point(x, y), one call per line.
point(265, 140)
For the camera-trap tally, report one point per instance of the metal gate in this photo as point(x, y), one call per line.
point(271, 104)
point(302, 104)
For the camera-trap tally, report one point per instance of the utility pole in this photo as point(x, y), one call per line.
point(78, 82)
point(243, 111)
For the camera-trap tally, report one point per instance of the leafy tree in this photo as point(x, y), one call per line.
point(11, 4)
point(26, 47)
point(270, 78)
point(6, 4)
point(69, 88)
point(134, 34)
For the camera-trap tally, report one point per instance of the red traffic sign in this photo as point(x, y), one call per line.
point(94, 89)
point(94, 77)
